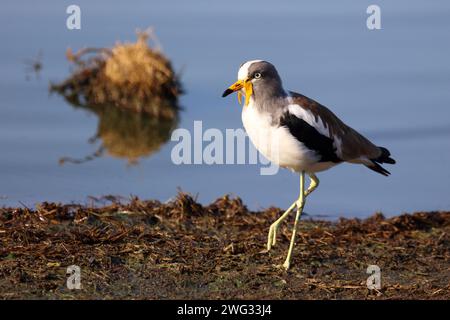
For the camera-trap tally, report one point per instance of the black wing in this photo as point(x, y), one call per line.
point(310, 137)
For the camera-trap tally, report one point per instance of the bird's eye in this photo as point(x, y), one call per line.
point(257, 75)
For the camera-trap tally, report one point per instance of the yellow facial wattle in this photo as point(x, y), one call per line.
point(248, 88)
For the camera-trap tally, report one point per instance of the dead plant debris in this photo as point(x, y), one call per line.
point(133, 76)
point(183, 250)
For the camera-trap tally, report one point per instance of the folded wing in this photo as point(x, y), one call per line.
point(321, 130)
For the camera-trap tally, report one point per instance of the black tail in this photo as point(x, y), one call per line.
point(383, 158)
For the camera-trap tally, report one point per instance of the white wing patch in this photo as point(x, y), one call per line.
point(306, 115)
point(316, 122)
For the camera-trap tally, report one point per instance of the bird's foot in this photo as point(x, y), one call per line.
point(283, 267)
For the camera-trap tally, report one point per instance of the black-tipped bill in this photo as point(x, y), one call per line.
point(227, 92)
point(238, 85)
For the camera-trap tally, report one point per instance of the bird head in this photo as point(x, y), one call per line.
point(255, 76)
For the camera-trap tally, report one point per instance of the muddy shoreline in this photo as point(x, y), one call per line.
point(183, 250)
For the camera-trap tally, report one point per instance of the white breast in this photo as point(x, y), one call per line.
point(277, 144)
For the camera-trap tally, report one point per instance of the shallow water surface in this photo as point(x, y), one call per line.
point(393, 85)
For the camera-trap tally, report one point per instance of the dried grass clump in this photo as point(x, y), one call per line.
point(130, 75)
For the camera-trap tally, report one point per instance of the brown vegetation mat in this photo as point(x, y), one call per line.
point(181, 249)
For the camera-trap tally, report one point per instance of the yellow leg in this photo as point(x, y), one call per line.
point(272, 238)
point(313, 185)
point(300, 205)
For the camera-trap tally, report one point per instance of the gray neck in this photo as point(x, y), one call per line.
point(270, 98)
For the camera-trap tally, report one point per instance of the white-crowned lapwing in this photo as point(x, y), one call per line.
point(298, 133)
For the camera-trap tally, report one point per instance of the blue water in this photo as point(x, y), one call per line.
point(392, 84)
